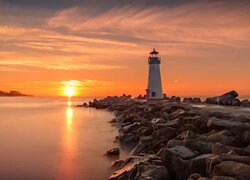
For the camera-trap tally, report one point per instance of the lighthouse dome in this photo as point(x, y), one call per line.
point(154, 52)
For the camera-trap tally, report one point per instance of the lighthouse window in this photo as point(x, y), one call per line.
point(153, 94)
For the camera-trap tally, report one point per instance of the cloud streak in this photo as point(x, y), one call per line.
point(201, 23)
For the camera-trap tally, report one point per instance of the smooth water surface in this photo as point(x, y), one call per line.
point(49, 139)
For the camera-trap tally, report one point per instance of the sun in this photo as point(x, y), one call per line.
point(69, 91)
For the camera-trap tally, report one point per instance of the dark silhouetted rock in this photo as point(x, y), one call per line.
point(115, 151)
point(225, 99)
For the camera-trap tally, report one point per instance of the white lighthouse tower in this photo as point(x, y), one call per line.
point(154, 90)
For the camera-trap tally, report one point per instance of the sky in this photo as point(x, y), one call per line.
point(101, 47)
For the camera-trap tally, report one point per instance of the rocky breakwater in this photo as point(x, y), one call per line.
point(173, 140)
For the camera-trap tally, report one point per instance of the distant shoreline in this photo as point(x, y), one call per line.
point(13, 94)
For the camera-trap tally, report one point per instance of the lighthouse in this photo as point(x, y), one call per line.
point(154, 89)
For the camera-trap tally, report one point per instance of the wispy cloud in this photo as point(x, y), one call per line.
point(199, 24)
point(26, 65)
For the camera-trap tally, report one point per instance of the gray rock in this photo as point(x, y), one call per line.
point(152, 172)
point(180, 151)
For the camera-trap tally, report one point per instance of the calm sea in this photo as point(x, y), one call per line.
point(47, 139)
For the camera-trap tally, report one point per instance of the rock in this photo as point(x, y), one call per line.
point(245, 103)
point(218, 148)
point(197, 165)
point(124, 176)
point(164, 133)
point(138, 149)
point(112, 121)
point(194, 176)
point(231, 168)
point(175, 142)
point(144, 131)
point(238, 130)
point(128, 138)
point(224, 137)
point(127, 167)
point(132, 127)
point(236, 102)
point(199, 121)
point(246, 137)
point(179, 151)
point(223, 178)
point(225, 99)
point(215, 160)
point(117, 164)
point(192, 100)
point(197, 176)
point(152, 172)
point(166, 116)
point(176, 113)
point(181, 169)
point(220, 123)
point(189, 127)
point(158, 120)
point(115, 151)
point(188, 100)
point(146, 140)
point(203, 147)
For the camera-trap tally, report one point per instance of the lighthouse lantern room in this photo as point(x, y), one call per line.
point(154, 89)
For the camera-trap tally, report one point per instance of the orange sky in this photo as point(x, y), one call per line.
point(103, 50)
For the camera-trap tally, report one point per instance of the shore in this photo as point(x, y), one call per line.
point(175, 140)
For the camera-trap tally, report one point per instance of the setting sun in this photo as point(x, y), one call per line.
point(69, 91)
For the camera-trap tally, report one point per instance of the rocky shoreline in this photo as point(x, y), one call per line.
point(174, 140)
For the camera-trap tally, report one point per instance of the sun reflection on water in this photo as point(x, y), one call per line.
point(67, 165)
point(69, 115)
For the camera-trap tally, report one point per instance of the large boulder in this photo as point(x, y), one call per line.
point(231, 168)
point(180, 151)
point(222, 164)
point(225, 99)
point(182, 162)
point(164, 133)
point(224, 137)
point(222, 123)
point(151, 172)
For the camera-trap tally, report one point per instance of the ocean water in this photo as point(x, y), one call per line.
point(50, 139)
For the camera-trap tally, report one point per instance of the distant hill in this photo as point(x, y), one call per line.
point(12, 93)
